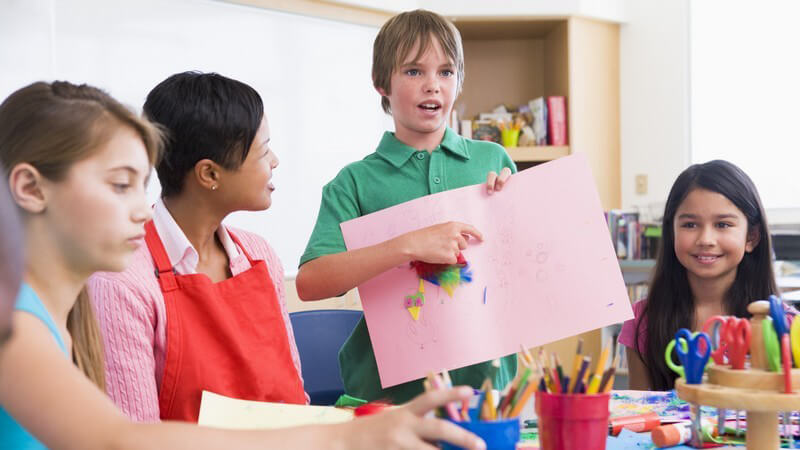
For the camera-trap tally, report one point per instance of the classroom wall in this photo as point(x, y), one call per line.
point(611, 10)
point(313, 74)
point(654, 98)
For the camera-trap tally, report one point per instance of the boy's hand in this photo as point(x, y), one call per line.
point(438, 244)
point(495, 182)
point(406, 427)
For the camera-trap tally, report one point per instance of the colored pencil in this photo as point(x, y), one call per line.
point(512, 389)
point(546, 369)
point(556, 375)
point(609, 384)
point(526, 354)
point(581, 373)
point(529, 390)
point(576, 365)
point(594, 384)
point(437, 383)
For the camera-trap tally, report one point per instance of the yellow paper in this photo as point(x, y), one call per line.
point(224, 412)
point(414, 310)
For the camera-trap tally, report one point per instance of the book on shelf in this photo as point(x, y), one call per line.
point(539, 113)
point(556, 120)
point(637, 291)
point(631, 238)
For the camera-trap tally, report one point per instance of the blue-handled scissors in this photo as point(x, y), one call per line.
point(694, 360)
point(778, 315)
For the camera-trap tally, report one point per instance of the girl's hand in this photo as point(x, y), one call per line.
point(437, 244)
point(495, 182)
point(405, 427)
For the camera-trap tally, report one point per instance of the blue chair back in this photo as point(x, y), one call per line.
point(319, 335)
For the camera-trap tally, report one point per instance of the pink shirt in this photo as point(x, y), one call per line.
point(132, 316)
point(627, 336)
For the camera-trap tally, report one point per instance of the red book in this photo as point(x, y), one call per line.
point(556, 120)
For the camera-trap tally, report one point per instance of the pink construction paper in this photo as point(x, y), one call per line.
point(546, 262)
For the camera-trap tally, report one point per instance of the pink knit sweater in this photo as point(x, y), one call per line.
point(132, 315)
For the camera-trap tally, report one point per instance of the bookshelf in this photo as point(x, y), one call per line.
point(636, 271)
point(512, 60)
point(537, 154)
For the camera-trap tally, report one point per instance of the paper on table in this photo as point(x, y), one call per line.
point(224, 412)
point(546, 263)
point(666, 404)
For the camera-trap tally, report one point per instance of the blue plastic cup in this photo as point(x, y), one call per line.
point(498, 434)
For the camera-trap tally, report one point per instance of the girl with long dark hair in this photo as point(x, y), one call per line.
point(715, 258)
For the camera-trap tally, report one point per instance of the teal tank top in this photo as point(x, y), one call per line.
point(12, 434)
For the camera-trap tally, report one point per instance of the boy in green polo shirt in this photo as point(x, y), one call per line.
point(418, 69)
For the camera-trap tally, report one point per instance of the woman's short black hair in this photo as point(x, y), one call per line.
point(204, 116)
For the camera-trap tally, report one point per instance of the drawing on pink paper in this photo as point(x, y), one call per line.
point(414, 302)
point(546, 263)
point(421, 332)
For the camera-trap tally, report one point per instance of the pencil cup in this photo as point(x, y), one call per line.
point(509, 137)
point(498, 434)
point(570, 421)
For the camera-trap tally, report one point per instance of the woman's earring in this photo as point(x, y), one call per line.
point(214, 187)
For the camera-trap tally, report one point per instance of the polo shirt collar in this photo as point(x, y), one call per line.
point(397, 153)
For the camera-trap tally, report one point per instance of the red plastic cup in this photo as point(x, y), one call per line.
point(572, 421)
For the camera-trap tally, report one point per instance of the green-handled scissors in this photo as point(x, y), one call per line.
point(685, 346)
point(771, 344)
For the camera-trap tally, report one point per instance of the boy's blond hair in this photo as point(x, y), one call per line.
point(398, 36)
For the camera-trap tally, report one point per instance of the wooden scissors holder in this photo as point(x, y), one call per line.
point(755, 390)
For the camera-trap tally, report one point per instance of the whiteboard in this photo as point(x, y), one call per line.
point(314, 76)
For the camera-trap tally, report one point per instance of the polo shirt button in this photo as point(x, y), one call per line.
point(420, 155)
point(437, 180)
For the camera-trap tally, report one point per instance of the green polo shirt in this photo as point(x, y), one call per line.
point(394, 174)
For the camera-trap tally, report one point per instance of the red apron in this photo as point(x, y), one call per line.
point(227, 337)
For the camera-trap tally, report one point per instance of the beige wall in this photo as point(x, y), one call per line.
point(347, 301)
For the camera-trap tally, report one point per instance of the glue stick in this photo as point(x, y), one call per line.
point(671, 435)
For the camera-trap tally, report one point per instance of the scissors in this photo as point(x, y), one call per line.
point(736, 335)
point(782, 337)
point(778, 316)
point(771, 344)
point(794, 337)
point(693, 360)
point(714, 327)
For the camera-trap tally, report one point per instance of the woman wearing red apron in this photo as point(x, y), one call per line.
point(202, 305)
point(226, 337)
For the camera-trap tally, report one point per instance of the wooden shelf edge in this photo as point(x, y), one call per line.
point(637, 265)
point(537, 154)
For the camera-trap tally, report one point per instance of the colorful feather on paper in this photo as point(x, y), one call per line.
point(448, 276)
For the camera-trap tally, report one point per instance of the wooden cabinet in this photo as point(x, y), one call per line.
point(513, 60)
